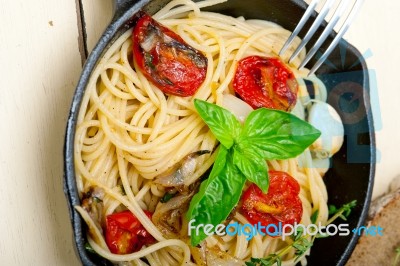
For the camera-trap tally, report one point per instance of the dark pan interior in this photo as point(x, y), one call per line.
point(346, 76)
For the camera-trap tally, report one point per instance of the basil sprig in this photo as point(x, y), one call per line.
point(266, 135)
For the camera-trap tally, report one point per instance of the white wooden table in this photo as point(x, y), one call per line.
point(40, 64)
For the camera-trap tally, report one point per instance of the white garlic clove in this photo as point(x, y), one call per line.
point(298, 110)
point(325, 118)
point(237, 106)
point(321, 165)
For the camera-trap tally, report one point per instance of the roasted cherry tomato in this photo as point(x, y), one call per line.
point(166, 60)
point(280, 204)
point(265, 82)
point(125, 234)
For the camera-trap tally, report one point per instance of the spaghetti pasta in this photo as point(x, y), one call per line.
point(129, 132)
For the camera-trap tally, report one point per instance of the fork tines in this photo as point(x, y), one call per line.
point(327, 6)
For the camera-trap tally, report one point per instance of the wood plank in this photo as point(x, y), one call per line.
point(97, 16)
point(40, 66)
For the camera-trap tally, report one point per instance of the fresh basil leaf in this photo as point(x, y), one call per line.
point(220, 161)
point(222, 123)
point(252, 166)
point(276, 134)
point(216, 199)
point(266, 134)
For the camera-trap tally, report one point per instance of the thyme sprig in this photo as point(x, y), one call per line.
point(301, 242)
point(268, 261)
point(397, 258)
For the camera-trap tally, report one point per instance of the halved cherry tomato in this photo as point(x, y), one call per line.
point(280, 204)
point(166, 60)
point(125, 234)
point(265, 82)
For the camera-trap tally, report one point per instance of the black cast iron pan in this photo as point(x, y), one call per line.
point(346, 76)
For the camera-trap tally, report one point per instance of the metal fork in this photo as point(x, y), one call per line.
point(318, 21)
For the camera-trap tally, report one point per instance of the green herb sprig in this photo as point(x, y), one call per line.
point(397, 257)
point(301, 242)
point(342, 213)
point(266, 135)
point(268, 261)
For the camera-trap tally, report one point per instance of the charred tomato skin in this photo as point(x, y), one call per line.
point(166, 59)
point(265, 82)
